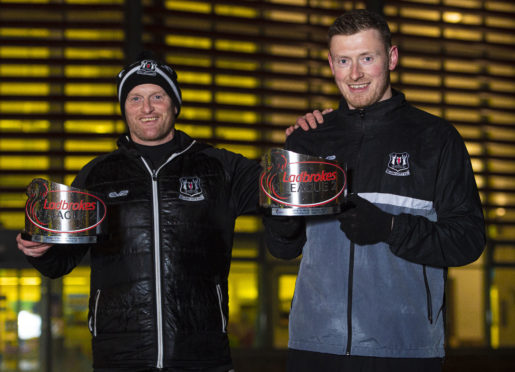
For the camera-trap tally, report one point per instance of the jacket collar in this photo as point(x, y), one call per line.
point(378, 109)
point(125, 142)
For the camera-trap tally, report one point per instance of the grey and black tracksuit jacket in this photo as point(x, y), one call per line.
point(386, 299)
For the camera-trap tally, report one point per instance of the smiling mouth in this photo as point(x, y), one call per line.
point(149, 119)
point(358, 86)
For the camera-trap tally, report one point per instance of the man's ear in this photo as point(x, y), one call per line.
point(393, 57)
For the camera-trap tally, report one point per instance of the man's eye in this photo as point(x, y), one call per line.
point(343, 61)
point(367, 59)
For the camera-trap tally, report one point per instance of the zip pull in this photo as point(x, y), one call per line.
point(154, 175)
point(361, 113)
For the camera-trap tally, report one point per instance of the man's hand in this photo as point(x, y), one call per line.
point(364, 223)
point(308, 121)
point(283, 226)
point(30, 248)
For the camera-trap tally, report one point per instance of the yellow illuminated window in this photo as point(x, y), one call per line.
point(236, 11)
point(283, 101)
point(24, 162)
point(90, 89)
point(93, 34)
point(92, 53)
point(423, 95)
point(236, 116)
point(461, 114)
point(190, 42)
point(91, 108)
point(105, 145)
point(287, 17)
point(243, 304)
point(412, 29)
point(240, 46)
point(12, 220)
point(237, 99)
point(237, 65)
point(190, 6)
point(422, 63)
point(196, 131)
point(24, 125)
point(237, 134)
point(247, 224)
point(91, 71)
point(26, 107)
point(197, 78)
point(33, 144)
point(97, 126)
point(462, 99)
point(197, 95)
point(422, 79)
point(430, 15)
point(20, 89)
point(241, 81)
point(286, 287)
point(76, 162)
point(463, 34)
point(15, 52)
point(461, 82)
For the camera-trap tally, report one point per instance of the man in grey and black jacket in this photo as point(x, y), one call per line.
point(369, 294)
point(159, 296)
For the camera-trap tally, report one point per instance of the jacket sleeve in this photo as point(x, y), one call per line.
point(458, 236)
point(243, 175)
point(245, 185)
point(59, 260)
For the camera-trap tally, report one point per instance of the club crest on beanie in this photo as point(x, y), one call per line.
point(148, 70)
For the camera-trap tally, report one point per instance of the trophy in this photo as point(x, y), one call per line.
point(293, 184)
point(59, 214)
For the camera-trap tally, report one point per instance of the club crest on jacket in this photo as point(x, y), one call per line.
point(190, 189)
point(398, 165)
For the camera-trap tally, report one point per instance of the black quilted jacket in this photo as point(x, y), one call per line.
point(159, 293)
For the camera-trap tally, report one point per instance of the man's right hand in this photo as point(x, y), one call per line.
point(286, 227)
point(308, 121)
point(30, 248)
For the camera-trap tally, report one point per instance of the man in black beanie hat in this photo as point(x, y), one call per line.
point(159, 289)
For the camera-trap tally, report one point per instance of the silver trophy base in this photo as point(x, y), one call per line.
point(61, 239)
point(304, 211)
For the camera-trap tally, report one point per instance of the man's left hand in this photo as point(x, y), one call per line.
point(364, 223)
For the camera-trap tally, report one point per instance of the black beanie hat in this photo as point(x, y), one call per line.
point(148, 70)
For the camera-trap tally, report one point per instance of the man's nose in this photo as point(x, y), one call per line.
point(356, 72)
point(147, 105)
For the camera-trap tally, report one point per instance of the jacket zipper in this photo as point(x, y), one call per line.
point(349, 299)
point(220, 298)
point(351, 253)
point(157, 253)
